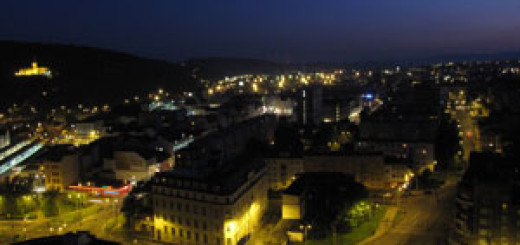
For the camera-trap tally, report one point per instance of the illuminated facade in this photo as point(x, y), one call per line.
point(5, 138)
point(60, 168)
point(372, 170)
point(34, 70)
point(222, 208)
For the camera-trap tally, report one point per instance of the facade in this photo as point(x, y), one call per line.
point(405, 126)
point(375, 171)
point(5, 138)
point(131, 166)
point(282, 171)
point(34, 70)
point(310, 105)
point(60, 167)
point(487, 203)
point(421, 152)
point(219, 208)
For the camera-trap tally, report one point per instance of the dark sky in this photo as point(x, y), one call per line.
point(282, 30)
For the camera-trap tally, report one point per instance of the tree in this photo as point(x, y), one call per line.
point(447, 143)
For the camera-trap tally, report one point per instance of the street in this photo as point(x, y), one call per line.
point(94, 222)
point(425, 219)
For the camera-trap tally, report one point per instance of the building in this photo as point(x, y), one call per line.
point(34, 70)
point(219, 206)
point(5, 138)
point(282, 170)
point(310, 105)
point(405, 126)
point(311, 194)
point(372, 170)
point(487, 203)
point(132, 165)
point(375, 171)
point(60, 167)
point(227, 143)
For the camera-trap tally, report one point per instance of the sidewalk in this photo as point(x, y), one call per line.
point(384, 225)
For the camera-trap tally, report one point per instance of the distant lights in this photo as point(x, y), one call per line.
point(367, 96)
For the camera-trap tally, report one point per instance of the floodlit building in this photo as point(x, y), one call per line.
point(310, 105)
point(5, 138)
point(375, 171)
point(220, 206)
point(132, 165)
point(217, 192)
point(60, 167)
point(34, 70)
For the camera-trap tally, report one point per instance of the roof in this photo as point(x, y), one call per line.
point(325, 181)
point(223, 179)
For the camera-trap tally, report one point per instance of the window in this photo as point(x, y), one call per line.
point(178, 206)
point(195, 224)
point(180, 232)
point(187, 207)
point(196, 237)
point(203, 211)
point(204, 226)
point(173, 231)
point(205, 239)
point(188, 234)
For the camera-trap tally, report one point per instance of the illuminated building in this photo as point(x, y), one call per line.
point(217, 192)
point(5, 138)
point(132, 165)
point(487, 203)
point(310, 105)
point(60, 167)
point(34, 70)
point(375, 171)
point(218, 206)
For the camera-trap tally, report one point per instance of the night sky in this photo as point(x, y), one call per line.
point(281, 30)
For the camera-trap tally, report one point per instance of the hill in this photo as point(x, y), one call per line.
point(83, 75)
point(217, 68)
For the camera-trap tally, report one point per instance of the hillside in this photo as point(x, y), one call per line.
point(217, 68)
point(83, 75)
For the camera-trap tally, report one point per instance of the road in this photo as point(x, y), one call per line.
point(95, 223)
point(468, 130)
point(425, 219)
